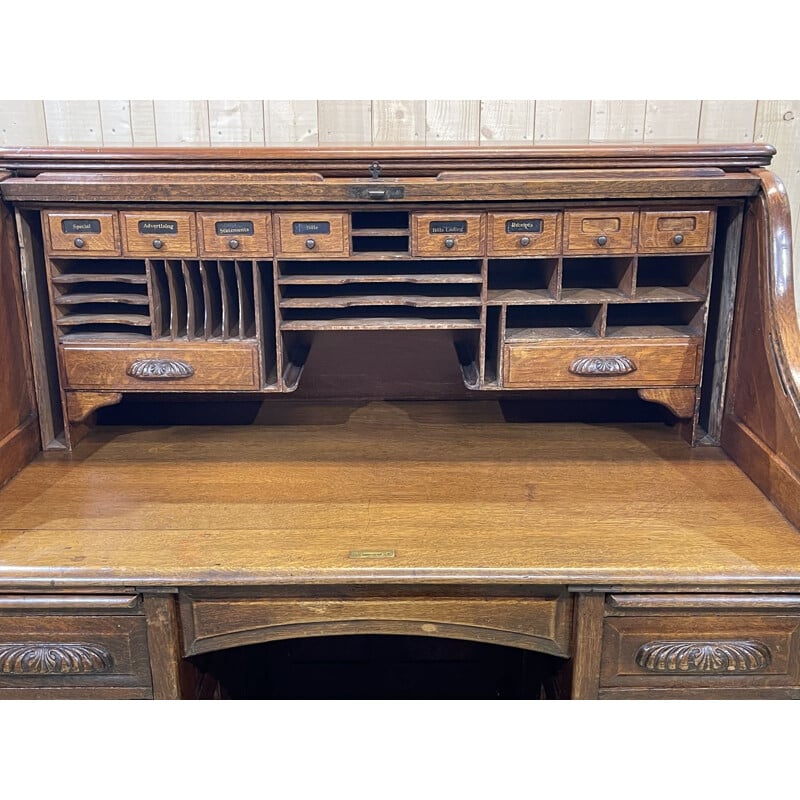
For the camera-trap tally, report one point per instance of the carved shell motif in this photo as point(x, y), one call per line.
point(160, 369)
point(602, 365)
point(73, 658)
point(703, 657)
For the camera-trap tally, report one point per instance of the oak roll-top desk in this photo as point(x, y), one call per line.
point(544, 398)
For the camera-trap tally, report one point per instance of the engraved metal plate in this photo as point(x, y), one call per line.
point(371, 554)
point(524, 225)
point(80, 225)
point(242, 228)
point(448, 226)
point(377, 192)
point(158, 227)
point(304, 228)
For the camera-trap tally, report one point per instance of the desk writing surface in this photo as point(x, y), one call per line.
point(424, 492)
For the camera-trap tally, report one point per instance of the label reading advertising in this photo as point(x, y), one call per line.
point(158, 227)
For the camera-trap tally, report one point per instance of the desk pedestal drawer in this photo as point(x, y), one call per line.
point(601, 365)
point(228, 366)
point(701, 646)
point(74, 656)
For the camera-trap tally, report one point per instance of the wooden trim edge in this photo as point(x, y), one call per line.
point(779, 482)
point(18, 448)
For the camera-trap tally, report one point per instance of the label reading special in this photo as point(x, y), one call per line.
point(448, 226)
point(524, 226)
point(158, 227)
point(243, 228)
point(304, 228)
point(80, 225)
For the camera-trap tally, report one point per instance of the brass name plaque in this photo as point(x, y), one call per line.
point(371, 554)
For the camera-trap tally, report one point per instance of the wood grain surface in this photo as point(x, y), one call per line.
point(458, 494)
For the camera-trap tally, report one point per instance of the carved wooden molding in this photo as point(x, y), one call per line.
point(681, 402)
point(81, 404)
point(160, 369)
point(602, 365)
point(66, 658)
point(702, 658)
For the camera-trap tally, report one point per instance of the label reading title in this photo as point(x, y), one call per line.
point(311, 227)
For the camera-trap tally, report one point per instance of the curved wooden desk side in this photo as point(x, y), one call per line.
point(761, 429)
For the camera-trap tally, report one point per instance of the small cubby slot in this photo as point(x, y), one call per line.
point(596, 278)
point(644, 320)
point(681, 277)
point(553, 322)
point(527, 280)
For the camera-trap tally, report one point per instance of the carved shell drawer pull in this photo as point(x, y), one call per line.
point(66, 658)
point(602, 365)
point(703, 658)
point(160, 369)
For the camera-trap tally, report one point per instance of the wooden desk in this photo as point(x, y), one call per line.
point(640, 556)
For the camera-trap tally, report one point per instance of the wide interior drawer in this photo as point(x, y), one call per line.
point(73, 656)
point(534, 623)
point(223, 366)
point(601, 364)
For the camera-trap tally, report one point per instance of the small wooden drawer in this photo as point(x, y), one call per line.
point(234, 235)
point(530, 622)
point(524, 234)
point(159, 235)
point(447, 234)
point(90, 233)
point(600, 231)
point(78, 656)
point(676, 231)
point(173, 367)
point(600, 364)
point(682, 646)
point(310, 234)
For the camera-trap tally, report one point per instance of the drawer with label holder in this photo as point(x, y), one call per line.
point(89, 233)
point(447, 234)
point(159, 234)
point(308, 234)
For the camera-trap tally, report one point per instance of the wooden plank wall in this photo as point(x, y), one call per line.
point(408, 122)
